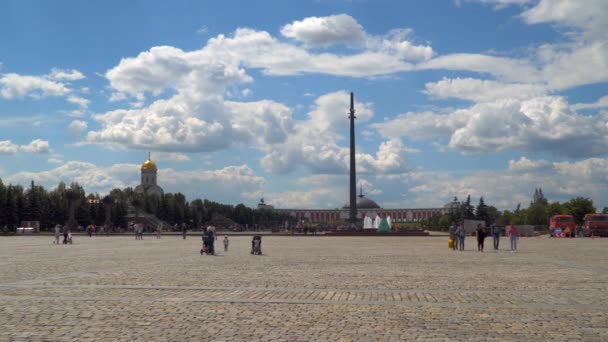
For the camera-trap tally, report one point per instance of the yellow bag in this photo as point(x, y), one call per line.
point(451, 243)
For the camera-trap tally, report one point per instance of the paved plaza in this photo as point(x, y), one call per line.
point(302, 289)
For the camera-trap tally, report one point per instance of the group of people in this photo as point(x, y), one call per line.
point(209, 237)
point(67, 235)
point(458, 234)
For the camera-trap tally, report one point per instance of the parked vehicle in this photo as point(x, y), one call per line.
point(596, 224)
point(562, 225)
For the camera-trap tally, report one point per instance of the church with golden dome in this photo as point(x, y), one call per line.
point(148, 179)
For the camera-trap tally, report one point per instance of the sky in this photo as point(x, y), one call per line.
point(239, 100)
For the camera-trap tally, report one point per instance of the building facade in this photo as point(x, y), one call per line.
point(365, 207)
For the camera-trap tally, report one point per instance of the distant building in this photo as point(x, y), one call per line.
point(148, 179)
point(365, 207)
point(263, 205)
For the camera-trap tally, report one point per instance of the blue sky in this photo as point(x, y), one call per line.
point(238, 100)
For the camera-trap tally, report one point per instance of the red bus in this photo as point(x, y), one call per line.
point(596, 224)
point(563, 222)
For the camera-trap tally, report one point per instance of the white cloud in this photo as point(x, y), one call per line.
point(571, 65)
point(7, 147)
point(36, 146)
point(246, 92)
point(91, 177)
point(505, 69)
point(222, 185)
point(396, 43)
point(602, 102)
point(323, 31)
point(525, 165)
point(329, 112)
point(65, 75)
point(482, 90)
point(82, 102)
point(54, 160)
point(588, 16)
point(172, 157)
point(13, 85)
point(152, 71)
point(537, 124)
point(506, 188)
point(77, 127)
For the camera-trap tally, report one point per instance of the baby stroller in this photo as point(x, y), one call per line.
point(205, 249)
point(256, 245)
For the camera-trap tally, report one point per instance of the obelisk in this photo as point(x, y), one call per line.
point(352, 217)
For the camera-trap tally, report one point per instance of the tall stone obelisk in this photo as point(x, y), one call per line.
point(352, 217)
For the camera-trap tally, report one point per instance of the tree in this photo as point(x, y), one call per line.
point(555, 208)
point(493, 214)
point(579, 207)
point(537, 214)
point(481, 212)
point(605, 210)
point(33, 207)
point(467, 209)
point(72, 196)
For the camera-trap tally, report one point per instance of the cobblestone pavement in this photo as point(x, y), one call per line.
point(302, 289)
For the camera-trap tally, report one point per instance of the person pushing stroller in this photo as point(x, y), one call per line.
point(256, 245)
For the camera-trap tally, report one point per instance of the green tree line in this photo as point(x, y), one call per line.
point(53, 207)
point(538, 213)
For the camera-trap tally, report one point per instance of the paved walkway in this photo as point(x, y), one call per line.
point(302, 289)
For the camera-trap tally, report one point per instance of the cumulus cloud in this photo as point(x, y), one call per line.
point(538, 124)
point(525, 165)
point(36, 146)
point(81, 101)
point(55, 84)
point(65, 75)
point(506, 188)
point(171, 157)
point(77, 127)
point(14, 85)
point(7, 147)
point(323, 31)
point(225, 184)
point(590, 17)
point(91, 177)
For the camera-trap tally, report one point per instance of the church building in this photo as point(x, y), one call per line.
point(148, 179)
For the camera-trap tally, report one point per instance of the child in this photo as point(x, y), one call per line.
point(226, 242)
point(205, 248)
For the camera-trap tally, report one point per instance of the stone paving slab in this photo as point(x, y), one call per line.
point(302, 289)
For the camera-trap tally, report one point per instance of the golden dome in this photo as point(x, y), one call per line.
point(148, 165)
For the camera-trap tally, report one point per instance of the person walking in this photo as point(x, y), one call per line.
point(481, 236)
point(454, 235)
point(461, 235)
point(184, 230)
point(159, 228)
point(211, 239)
point(495, 236)
point(65, 235)
point(57, 234)
point(513, 237)
point(226, 243)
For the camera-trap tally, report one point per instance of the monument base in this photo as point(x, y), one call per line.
point(413, 232)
